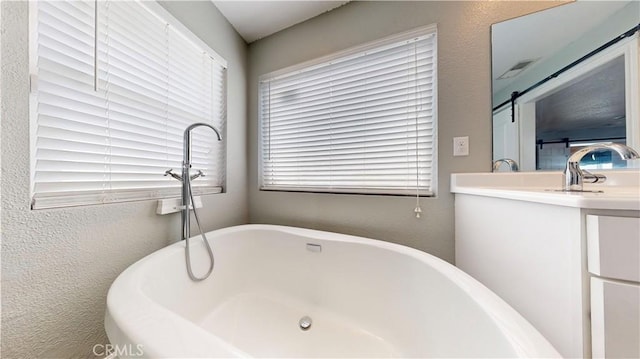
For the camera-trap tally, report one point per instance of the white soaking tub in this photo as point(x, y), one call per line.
point(365, 298)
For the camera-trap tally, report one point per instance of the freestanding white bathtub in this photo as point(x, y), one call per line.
point(366, 298)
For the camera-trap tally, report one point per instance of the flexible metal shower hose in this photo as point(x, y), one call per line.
point(206, 242)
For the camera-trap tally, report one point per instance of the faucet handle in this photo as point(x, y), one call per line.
point(199, 174)
point(593, 177)
point(169, 172)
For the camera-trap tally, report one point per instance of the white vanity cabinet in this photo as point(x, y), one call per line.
point(530, 255)
point(568, 262)
point(613, 257)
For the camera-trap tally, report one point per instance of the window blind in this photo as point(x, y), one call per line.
point(364, 122)
point(115, 85)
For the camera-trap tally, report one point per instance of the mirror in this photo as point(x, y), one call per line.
point(572, 79)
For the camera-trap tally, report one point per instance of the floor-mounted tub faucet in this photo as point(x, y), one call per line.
point(513, 165)
point(574, 176)
point(186, 177)
point(187, 198)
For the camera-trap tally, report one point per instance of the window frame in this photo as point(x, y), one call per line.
point(355, 50)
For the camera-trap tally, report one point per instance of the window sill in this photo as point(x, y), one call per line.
point(352, 191)
point(75, 199)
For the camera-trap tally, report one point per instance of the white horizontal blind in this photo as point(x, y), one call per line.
point(109, 119)
point(362, 123)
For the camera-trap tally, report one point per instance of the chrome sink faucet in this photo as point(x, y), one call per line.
point(574, 176)
point(513, 165)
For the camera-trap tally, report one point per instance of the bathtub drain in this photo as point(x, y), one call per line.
point(305, 323)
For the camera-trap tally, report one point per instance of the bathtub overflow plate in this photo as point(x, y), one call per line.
point(305, 323)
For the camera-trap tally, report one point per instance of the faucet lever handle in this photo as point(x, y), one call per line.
point(593, 177)
point(169, 172)
point(199, 174)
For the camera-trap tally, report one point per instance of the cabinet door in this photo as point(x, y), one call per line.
point(613, 247)
point(615, 319)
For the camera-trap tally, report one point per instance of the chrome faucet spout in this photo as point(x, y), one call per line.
point(574, 176)
point(186, 158)
point(513, 165)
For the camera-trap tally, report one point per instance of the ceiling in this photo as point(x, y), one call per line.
point(254, 20)
point(593, 104)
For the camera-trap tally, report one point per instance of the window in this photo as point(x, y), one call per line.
point(362, 121)
point(114, 85)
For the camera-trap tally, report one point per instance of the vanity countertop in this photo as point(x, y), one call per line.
point(621, 191)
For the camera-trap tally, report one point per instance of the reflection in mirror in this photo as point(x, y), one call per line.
point(565, 78)
point(588, 110)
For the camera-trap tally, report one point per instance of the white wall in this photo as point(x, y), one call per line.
point(57, 265)
point(464, 109)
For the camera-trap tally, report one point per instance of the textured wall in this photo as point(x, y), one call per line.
point(464, 108)
point(57, 265)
